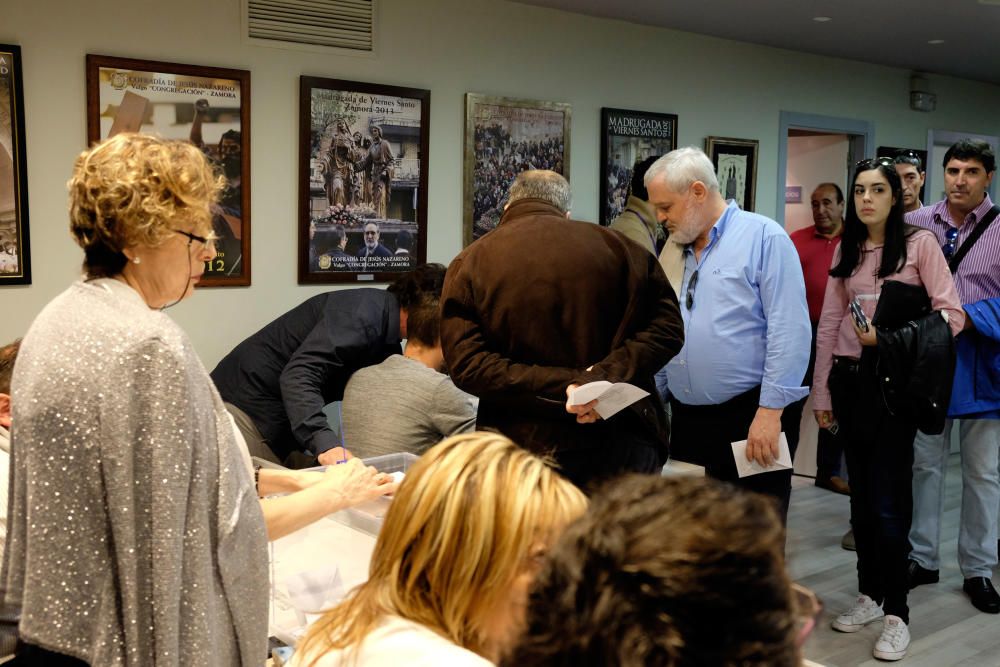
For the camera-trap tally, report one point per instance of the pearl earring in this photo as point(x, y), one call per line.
point(136, 260)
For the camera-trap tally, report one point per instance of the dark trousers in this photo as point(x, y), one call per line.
point(589, 468)
point(705, 433)
point(624, 445)
point(829, 450)
point(879, 452)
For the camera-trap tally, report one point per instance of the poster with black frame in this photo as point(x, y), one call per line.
point(208, 106)
point(735, 163)
point(503, 137)
point(15, 247)
point(363, 156)
point(627, 138)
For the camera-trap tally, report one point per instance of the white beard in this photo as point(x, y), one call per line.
point(688, 229)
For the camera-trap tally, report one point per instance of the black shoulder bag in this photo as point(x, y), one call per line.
point(973, 237)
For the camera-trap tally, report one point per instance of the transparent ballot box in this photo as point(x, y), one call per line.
point(311, 571)
point(368, 517)
point(314, 568)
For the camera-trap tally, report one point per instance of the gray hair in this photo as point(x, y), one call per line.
point(682, 167)
point(541, 184)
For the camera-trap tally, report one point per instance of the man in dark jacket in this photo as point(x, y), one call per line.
point(543, 303)
point(277, 381)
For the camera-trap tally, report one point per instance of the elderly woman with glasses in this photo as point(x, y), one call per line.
point(135, 535)
point(880, 257)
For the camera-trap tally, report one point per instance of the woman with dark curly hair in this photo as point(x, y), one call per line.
point(665, 572)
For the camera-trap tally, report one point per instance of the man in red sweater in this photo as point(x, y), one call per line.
point(816, 246)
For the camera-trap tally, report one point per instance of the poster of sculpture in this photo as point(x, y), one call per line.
point(208, 106)
point(363, 151)
point(627, 138)
point(735, 163)
point(503, 137)
point(15, 251)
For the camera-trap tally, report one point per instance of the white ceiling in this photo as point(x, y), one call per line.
point(884, 32)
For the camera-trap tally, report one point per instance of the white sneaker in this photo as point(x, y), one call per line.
point(861, 614)
point(891, 645)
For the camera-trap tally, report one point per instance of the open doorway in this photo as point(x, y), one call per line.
point(814, 149)
point(813, 158)
point(803, 129)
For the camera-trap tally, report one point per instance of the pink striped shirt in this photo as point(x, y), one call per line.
point(925, 265)
point(978, 275)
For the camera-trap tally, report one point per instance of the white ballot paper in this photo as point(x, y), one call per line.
point(746, 468)
point(611, 398)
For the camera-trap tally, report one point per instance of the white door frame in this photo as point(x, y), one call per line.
point(861, 135)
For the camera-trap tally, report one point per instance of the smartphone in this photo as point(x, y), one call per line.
point(858, 314)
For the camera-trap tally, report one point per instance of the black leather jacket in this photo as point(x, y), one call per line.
point(916, 357)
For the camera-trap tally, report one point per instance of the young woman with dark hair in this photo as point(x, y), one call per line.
point(876, 247)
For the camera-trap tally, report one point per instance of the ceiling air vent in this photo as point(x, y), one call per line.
point(343, 25)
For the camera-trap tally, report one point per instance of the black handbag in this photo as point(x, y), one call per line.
point(900, 303)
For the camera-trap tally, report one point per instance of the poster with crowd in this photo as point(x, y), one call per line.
point(208, 106)
point(363, 151)
point(628, 138)
point(15, 252)
point(503, 137)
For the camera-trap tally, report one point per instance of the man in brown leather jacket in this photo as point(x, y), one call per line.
point(543, 303)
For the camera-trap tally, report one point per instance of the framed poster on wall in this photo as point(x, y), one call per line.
point(627, 138)
point(363, 152)
point(208, 106)
point(503, 137)
point(15, 247)
point(735, 163)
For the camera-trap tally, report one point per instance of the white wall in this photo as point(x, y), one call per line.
point(716, 86)
point(813, 159)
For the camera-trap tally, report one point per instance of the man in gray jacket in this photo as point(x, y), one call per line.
point(638, 220)
point(422, 404)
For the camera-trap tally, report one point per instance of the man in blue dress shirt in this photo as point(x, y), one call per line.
point(746, 323)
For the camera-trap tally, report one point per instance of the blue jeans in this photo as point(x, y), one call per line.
point(979, 444)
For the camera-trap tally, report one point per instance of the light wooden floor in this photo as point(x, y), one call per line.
point(946, 629)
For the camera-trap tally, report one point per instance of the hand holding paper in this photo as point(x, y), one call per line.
point(762, 436)
point(611, 397)
point(746, 468)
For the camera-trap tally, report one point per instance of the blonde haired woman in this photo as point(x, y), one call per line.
point(460, 547)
